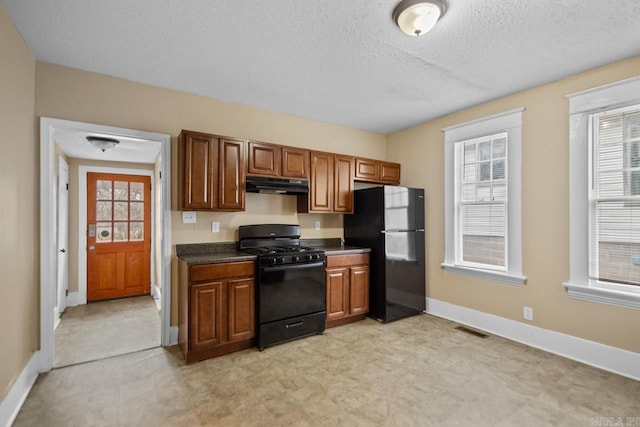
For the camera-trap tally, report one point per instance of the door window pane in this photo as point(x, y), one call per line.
point(103, 234)
point(136, 231)
point(137, 211)
point(104, 190)
point(121, 189)
point(103, 211)
point(120, 232)
point(121, 211)
point(137, 191)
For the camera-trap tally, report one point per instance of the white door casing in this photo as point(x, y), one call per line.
point(62, 276)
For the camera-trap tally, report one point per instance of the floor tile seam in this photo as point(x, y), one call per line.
point(107, 357)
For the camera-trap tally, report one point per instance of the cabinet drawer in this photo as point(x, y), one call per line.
point(200, 273)
point(347, 260)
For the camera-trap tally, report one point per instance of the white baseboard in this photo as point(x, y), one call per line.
point(612, 359)
point(73, 299)
point(13, 401)
point(173, 335)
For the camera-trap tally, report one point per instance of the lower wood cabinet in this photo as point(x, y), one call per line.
point(216, 308)
point(347, 278)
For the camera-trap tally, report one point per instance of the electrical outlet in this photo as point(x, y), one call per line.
point(215, 227)
point(188, 217)
point(317, 225)
point(527, 313)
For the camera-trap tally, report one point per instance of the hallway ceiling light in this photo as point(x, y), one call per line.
point(102, 143)
point(416, 17)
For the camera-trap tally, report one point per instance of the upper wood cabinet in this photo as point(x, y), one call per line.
point(276, 160)
point(343, 184)
point(390, 172)
point(231, 175)
point(197, 164)
point(295, 162)
point(330, 184)
point(377, 171)
point(210, 172)
point(264, 159)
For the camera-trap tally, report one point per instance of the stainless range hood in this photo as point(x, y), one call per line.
point(262, 184)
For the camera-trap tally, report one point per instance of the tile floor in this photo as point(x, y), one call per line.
point(107, 328)
point(419, 371)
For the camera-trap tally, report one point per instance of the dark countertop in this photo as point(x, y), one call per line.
point(216, 253)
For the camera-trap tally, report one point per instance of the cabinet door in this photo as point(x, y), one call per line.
point(367, 170)
point(359, 290)
point(198, 162)
point(295, 162)
point(207, 326)
point(390, 172)
point(264, 159)
point(337, 280)
point(231, 175)
point(343, 184)
point(241, 309)
point(321, 183)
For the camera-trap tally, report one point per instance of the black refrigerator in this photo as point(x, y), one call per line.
point(390, 221)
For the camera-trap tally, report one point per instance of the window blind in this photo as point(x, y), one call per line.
point(615, 197)
point(482, 201)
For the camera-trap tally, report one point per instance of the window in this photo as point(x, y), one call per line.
point(482, 198)
point(481, 202)
point(605, 194)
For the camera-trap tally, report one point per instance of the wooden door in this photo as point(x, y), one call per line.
point(359, 290)
point(241, 309)
point(321, 182)
point(118, 236)
point(198, 163)
point(337, 280)
point(343, 184)
point(206, 328)
point(231, 175)
point(295, 162)
point(264, 159)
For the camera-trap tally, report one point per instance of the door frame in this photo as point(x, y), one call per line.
point(82, 222)
point(48, 127)
point(61, 300)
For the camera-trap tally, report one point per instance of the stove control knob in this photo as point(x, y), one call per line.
point(295, 258)
point(308, 257)
point(271, 261)
point(316, 257)
point(280, 260)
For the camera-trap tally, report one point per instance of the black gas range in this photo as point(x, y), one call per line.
point(291, 290)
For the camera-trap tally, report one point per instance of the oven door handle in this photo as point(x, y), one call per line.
point(293, 267)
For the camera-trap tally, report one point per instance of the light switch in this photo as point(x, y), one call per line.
point(215, 227)
point(317, 225)
point(188, 217)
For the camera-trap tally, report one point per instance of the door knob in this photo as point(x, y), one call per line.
point(62, 250)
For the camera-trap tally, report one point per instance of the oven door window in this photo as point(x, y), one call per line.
point(290, 291)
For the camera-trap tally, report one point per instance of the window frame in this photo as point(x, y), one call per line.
point(583, 106)
point(509, 122)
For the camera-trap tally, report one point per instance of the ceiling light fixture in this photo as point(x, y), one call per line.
point(417, 17)
point(102, 143)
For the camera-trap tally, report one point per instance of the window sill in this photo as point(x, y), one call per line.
point(606, 296)
point(494, 276)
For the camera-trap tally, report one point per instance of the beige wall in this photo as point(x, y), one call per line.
point(19, 216)
point(88, 97)
point(74, 165)
point(545, 213)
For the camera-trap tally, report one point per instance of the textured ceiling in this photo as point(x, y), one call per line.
point(339, 61)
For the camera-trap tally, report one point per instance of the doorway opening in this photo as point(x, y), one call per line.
point(142, 154)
